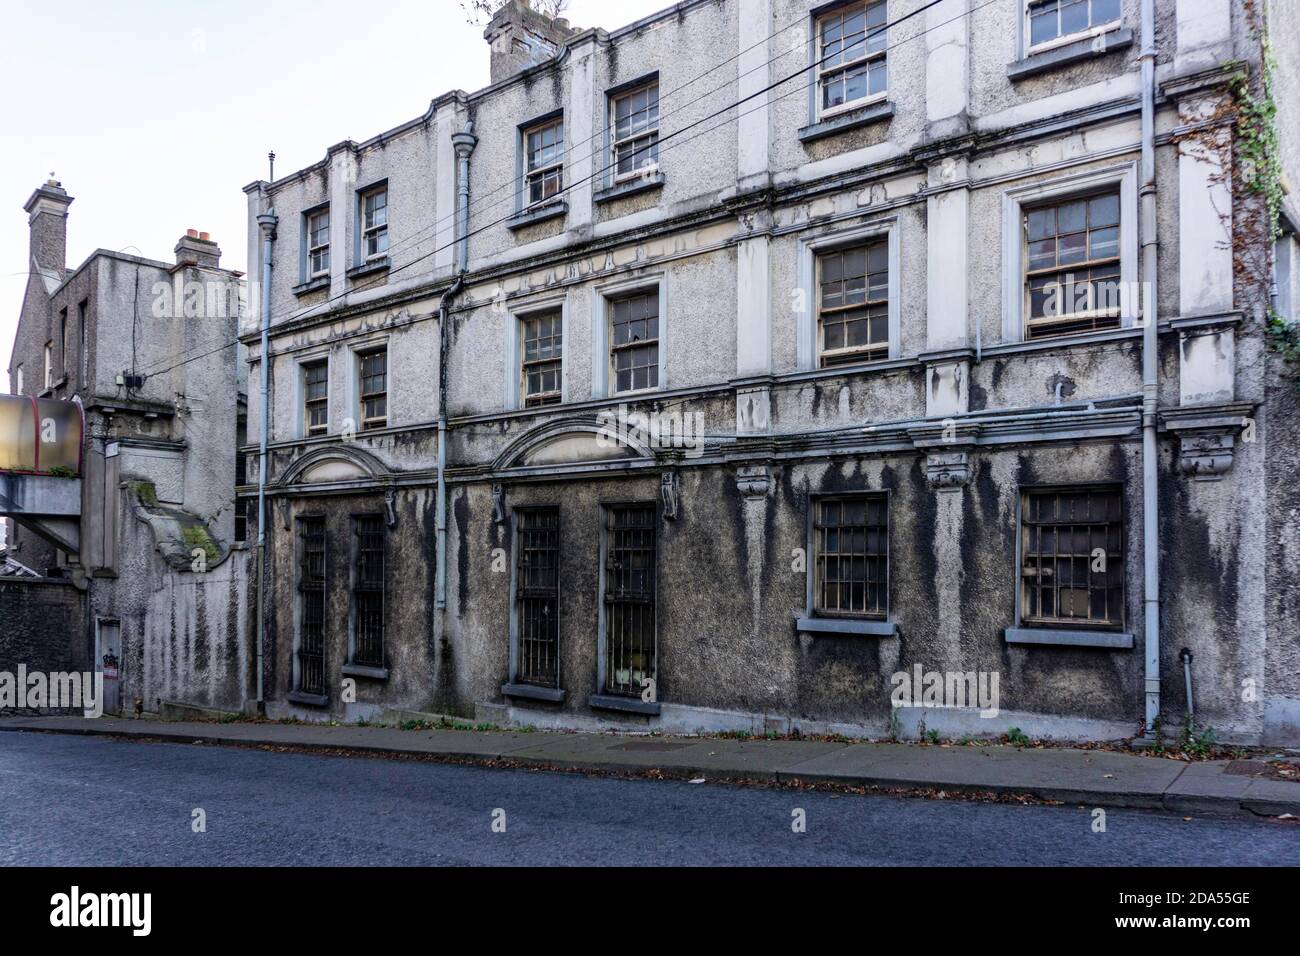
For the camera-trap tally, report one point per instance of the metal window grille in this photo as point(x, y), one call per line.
point(1072, 266)
point(368, 591)
point(851, 544)
point(630, 567)
point(851, 54)
point(374, 389)
point(318, 243)
point(316, 397)
point(1051, 20)
point(1072, 546)
point(545, 153)
point(635, 341)
point(311, 595)
point(537, 593)
point(636, 131)
point(543, 358)
point(853, 304)
point(374, 223)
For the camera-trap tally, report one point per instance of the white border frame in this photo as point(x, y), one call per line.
point(300, 390)
point(814, 40)
point(806, 352)
point(600, 318)
point(512, 348)
point(353, 391)
point(1013, 247)
point(1027, 50)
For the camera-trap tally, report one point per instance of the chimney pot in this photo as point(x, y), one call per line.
point(192, 233)
point(205, 237)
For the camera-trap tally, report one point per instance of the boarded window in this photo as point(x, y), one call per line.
point(851, 546)
point(311, 597)
point(537, 593)
point(1072, 546)
point(630, 565)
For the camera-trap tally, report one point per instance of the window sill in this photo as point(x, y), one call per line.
point(1058, 637)
point(310, 700)
point(312, 285)
point(640, 184)
point(846, 626)
point(630, 705)
point(361, 670)
point(1084, 48)
point(369, 268)
point(530, 217)
point(843, 122)
point(553, 695)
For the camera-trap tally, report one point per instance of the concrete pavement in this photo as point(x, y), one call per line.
point(1090, 777)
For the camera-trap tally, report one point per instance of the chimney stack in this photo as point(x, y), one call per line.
point(521, 37)
point(197, 249)
point(47, 221)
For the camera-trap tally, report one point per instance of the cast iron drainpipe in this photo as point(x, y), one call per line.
point(440, 571)
point(1186, 655)
point(1150, 342)
point(267, 221)
point(464, 143)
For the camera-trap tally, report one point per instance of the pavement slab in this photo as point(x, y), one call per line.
point(1072, 775)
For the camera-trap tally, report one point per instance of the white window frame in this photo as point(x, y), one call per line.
point(808, 345)
point(18, 379)
point(311, 250)
point(368, 229)
point(1013, 247)
point(300, 386)
point(49, 364)
point(602, 313)
point(649, 168)
point(359, 354)
point(541, 171)
point(1029, 47)
point(513, 341)
point(820, 111)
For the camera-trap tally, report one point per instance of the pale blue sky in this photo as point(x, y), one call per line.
point(154, 113)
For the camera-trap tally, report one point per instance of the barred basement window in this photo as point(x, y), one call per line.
point(311, 600)
point(315, 390)
point(851, 45)
point(544, 151)
point(1072, 548)
point(853, 304)
point(374, 224)
point(537, 593)
point(1053, 21)
point(543, 358)
point(1072, 266)
point(629, 598)
point(635, 341)
point(851, 548)
point(636, 131)
point(374, 389)
point(368, 591)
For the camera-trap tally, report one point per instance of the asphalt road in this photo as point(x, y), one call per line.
point(94, 801)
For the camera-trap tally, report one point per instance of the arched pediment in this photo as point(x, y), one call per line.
point(570, 441)
point(334, 463)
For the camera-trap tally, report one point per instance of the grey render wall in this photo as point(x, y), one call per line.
point(729, 238)
point(43, 626)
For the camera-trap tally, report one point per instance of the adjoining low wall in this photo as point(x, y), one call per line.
point(42, 628)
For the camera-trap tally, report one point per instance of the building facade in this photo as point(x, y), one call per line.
point(151, 546)
point(709, 372)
